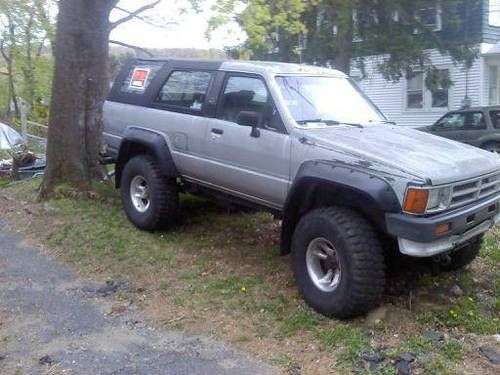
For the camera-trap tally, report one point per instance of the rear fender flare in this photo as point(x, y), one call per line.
point(143, 141)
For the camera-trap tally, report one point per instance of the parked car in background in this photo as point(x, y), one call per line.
point(14, 152)
point(477, 126)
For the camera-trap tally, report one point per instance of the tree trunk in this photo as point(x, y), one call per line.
point(79, 89)
point(29, 70)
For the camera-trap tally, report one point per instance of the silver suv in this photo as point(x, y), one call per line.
point(307, 145)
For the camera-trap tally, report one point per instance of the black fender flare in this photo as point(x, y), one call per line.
point(493, 138)
point(361, 189)
point(142, 141)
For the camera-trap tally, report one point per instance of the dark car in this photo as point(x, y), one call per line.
point(477, 126)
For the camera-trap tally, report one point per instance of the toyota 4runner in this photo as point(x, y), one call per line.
point(307, 145)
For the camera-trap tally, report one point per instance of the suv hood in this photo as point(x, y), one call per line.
point(420, 154)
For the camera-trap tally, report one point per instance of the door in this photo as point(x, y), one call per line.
point(181, 103)
point(466, 127)
point(251, 161)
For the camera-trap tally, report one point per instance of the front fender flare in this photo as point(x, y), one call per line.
point(361, 189)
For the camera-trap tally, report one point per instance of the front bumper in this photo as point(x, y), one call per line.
point(417, 235)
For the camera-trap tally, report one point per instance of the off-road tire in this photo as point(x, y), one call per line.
point(464, 256)
point(360, 256)
point(164, 195)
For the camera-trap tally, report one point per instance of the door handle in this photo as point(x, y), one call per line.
point(217, 131)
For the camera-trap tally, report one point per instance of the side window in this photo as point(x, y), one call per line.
point(476, 121)
point(495, 119)
point(453, 121)
point(249, 94)
point(415, 91)
point(139, 77)
point(186, 89)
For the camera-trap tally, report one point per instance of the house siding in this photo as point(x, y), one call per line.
point(490, 34)
point(391, 97)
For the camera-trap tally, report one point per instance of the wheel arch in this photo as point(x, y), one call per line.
point(139, 141)
point(320, 184)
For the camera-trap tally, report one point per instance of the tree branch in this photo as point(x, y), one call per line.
point(132, 47)
point(4, 54)
point(145, 20)
point(133, 14)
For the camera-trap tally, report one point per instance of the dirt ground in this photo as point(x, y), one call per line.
point(219, 274)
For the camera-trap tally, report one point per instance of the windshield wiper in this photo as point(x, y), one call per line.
point(328, 122)
point(384, 122)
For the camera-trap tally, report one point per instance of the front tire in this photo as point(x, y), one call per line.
point(150, 200)
point(338, 262)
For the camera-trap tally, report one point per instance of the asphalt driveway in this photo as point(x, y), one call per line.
point(51, 321)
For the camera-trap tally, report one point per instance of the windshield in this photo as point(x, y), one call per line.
point(332, 100)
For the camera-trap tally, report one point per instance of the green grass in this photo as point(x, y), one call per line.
point(299, 321)
point(215, 262)
point(349, 339)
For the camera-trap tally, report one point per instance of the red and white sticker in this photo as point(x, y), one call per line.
point(139, 78)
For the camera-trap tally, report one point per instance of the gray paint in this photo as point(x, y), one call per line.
point(263, 170)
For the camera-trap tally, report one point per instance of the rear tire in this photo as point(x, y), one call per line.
point(150, 200)
point(358, 254)
point(463, 256)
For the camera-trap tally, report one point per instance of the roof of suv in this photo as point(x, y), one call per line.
point(256, 66)
point(478, 109)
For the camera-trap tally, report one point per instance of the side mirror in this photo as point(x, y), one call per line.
point(250, 118)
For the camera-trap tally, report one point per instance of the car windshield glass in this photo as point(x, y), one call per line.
point(327, 100)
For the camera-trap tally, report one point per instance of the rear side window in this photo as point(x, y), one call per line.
point(495, 119)
point(185, 89)
point(476, 121)
point(139, 77)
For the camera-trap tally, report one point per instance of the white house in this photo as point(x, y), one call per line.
point(409, 102)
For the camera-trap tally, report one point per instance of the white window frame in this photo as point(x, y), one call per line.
point(494, 13)
point(427, 97)
point(497, 66)
point(438, 25)
point(406, 94)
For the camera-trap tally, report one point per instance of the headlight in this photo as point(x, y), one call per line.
point(427, 200)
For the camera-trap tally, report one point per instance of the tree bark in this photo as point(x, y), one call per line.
point(79, 90)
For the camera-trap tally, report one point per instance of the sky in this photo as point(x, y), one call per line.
point(186, 31)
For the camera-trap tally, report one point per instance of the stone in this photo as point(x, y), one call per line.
point(456, 291)
point(490, 353)
point(496, 337)
point(403, 367)
point(46, 360)
point(118, 308)
point(433, 336)
point(295, 371)
point(408, 357)
point(108, 289)
point(2, 356)
point(375, 357)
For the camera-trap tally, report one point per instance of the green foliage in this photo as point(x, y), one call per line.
point(26, 34)
point(333, 32)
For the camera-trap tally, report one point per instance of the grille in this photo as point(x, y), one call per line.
point(475, 189)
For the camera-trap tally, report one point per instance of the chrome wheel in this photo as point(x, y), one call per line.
point(139, 194)
point(323, 264)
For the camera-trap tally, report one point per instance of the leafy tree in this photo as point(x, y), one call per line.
point(23, 32)
point(79, 90)
point(337, 32)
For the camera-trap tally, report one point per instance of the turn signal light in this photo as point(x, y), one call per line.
point(442, 228)
point(416, 200)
